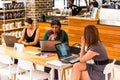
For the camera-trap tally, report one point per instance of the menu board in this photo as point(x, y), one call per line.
point(109, 16)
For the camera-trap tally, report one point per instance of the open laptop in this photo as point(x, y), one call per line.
point(64, 53)
point(48, 45)
point(9, 40)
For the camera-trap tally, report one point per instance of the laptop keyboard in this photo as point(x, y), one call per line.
point(71, 58)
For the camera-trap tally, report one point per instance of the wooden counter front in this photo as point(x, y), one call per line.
point(81, 21)
point(76, 27)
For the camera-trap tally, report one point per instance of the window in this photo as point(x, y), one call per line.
point(82, 2)
point(63, 3)
point(59, 3)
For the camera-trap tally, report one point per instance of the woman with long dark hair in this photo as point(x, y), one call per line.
point(30, 34)
point(95, 51)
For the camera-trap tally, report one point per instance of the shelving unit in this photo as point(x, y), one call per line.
point(11, 10)
point(13, 29)
point(12, 16)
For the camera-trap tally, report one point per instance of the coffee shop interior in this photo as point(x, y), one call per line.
point(104, 15)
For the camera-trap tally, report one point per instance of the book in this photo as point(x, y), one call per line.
point(45, 54)
point(57, 63)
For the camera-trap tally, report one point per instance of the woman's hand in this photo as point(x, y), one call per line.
point(82, 52)
point(52, 37)
point(25, 43)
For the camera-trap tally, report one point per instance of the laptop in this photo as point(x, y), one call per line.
point(64, 53)
point(48, 45)
point(9, 40)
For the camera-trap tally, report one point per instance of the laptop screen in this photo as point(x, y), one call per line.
point(9, 40)
point(48, 45)
point(63, 50)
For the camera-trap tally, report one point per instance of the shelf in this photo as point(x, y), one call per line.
point(2, 30)
point(12, 16)
point(13, 10)
point(13, 19)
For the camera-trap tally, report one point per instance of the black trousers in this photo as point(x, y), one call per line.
point(47, 69)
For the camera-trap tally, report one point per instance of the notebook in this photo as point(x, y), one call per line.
point(56, 63)
point(9, 40)
point(64, 53)
point(48, 45)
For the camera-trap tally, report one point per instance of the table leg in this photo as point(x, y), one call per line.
point(61, 75)
point(52, 74)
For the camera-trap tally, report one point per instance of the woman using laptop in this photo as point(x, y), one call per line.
point(30, 34)
point(95, 51)
point(55, 33)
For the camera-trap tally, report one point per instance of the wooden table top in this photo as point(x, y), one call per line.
point(29, 54)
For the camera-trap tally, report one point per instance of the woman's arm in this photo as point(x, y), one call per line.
point(86, 56)
point(82, 52)
point(22, 36)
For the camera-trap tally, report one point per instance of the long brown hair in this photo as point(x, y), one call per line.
point(91, 35)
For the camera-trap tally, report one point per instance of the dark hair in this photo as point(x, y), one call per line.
point(91, 35)
point(56, 22)
point(29, 20)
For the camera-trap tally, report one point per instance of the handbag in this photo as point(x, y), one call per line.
point(75, 48)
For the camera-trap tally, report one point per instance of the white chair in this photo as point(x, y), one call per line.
point(9, 69)
point(116, 72)
point(30, 73)
point(2, 65)
point(109, 70)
